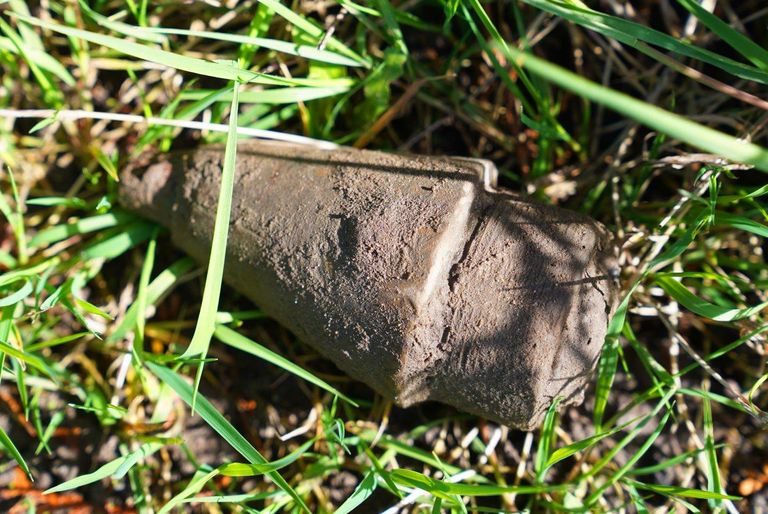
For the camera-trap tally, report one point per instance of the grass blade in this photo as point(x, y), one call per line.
point(82, 226)
point(690, 301)
point(617, 475)
point(142, 294)
point(228, 336)
point(117, 242)
point(108, 469)
point(11, 449)
point(235, 498)
point(120, 27)
point(575, 447)
point(18, 295)
point(741, 223)
point(608, 457)
point(668, 463)
point(756, 54)
point(285, 47)
point(155, 291)
point(201, 339)
point(675, 491)
point(194, 486)
point(630, 33)
point(43, 60)
point(280, 95)
point(442, 488)
point(714, 483)
point(679, 127)
point(223, 427)
point(406, 450)
point(362, 492)
point(609, 360)
point(545, 441)
point(172, 60)
point(241, 469)
point(312, 30)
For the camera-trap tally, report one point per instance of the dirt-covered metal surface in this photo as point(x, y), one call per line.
point(414, 275)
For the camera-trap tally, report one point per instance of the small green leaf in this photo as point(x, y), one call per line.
point(40, 125)
point(92, 309)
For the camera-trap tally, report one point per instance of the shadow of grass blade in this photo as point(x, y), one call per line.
point(225, 429)
point(201, 339)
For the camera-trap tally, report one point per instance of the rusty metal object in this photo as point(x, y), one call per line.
point(414, 275)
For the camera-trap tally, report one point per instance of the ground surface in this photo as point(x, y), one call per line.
point(648, 436)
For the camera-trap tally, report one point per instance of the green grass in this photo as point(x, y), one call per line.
point(100, 319)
